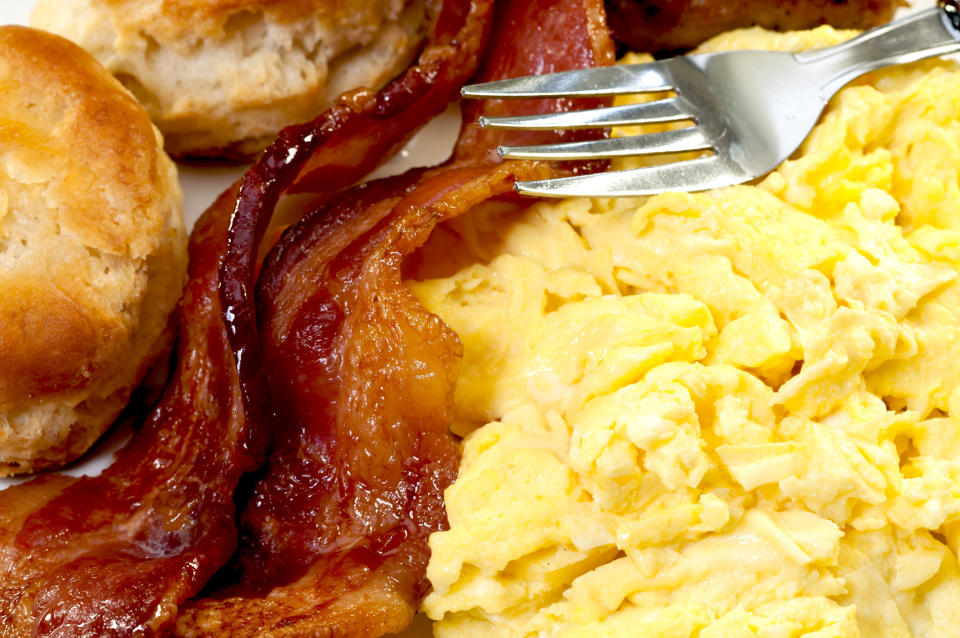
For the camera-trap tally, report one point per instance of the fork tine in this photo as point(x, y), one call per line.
point(669, 110)
point(693, 175)
point(612, 80)
point(677, 141)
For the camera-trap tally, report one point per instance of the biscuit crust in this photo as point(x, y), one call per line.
point(221, 77)
point(92, 249)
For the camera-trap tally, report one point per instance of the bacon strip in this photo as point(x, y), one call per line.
point(359, 132)
point(116, 554)
point(335, 535)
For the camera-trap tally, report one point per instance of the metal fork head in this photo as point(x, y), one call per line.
point(750, 109)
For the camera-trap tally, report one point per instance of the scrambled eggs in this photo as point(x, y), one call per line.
point(733, 413)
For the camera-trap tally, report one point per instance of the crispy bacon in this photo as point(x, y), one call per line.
point(118, 553)
point(332, 152)
point(335, 535)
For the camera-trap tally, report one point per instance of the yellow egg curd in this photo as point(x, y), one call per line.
point(733, 413)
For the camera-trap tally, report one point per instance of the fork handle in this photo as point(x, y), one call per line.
point(925, 34)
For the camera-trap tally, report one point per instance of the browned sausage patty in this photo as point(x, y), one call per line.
point(673, 25)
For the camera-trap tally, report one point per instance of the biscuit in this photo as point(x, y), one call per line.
point(220, 78)
point(92, 249)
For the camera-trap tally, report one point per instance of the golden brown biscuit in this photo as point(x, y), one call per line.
point(92, 249)
point(222, 77)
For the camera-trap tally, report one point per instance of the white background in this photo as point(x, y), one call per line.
point(15, 11)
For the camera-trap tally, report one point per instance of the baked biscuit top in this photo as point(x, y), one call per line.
point(174, 18)
point(90, 217)
point(221, 78)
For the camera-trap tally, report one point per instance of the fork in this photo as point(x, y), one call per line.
point(752, 109)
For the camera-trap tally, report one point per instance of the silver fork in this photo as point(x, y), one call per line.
point(752, 109)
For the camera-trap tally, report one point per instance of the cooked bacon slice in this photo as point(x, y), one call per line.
point(338, 526)
point(115, 555)
point(335, 535)
point(359, 132)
